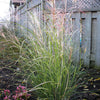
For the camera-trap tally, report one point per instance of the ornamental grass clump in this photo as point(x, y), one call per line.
point(45, 55)
point(47, 58)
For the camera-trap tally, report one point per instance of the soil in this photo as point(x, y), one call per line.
point(90, 90)
point(10, 78)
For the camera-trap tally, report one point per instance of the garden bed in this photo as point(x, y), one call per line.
point(10, 78)
point(12, 73)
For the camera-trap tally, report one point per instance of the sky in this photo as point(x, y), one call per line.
point(4, 9)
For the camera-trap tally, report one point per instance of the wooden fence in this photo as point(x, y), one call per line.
point(89, 25)
point(86, 39)
point(23, 17)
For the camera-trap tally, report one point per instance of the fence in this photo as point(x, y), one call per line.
point(86, 5)
point(89, 25)
point(22, 15)
point(86, 22)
